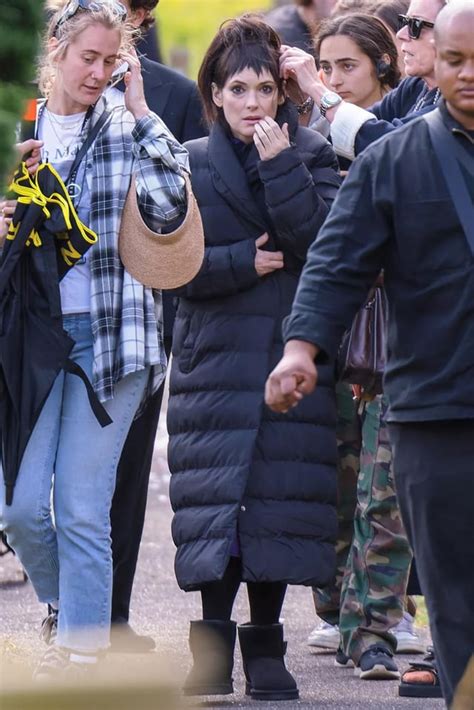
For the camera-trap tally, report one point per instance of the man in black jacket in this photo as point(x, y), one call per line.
point(352, 130)
point(395, 212)
point(175, 99)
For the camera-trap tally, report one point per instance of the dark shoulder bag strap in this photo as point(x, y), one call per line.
point(29, 130)
point(443, 141)
point(90, 138)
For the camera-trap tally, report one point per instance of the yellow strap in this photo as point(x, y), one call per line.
point(29, 191)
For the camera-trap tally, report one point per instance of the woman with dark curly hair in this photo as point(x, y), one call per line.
point(253, 493)
point(358, 58)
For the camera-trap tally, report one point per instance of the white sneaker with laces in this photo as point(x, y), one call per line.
point(325, 636)
point(408, 640)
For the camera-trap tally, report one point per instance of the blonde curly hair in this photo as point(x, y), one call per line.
point(100, 12)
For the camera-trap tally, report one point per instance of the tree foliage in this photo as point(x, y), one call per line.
point(20, 26)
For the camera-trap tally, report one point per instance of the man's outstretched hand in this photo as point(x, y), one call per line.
point(294, 377)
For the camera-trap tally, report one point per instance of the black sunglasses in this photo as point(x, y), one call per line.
point(415, 25)
point(74, 5)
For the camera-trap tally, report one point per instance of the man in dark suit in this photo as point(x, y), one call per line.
point(175, 99)
point(149, 44)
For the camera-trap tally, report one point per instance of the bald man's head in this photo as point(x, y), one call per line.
point(450, 12)
point(454, 62)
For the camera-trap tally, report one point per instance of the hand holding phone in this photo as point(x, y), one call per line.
point(134, 93)
point(118, 74)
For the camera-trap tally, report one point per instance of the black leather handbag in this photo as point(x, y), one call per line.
point(361, 357)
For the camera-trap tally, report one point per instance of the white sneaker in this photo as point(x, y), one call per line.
point(407, 639)
point(325, 636)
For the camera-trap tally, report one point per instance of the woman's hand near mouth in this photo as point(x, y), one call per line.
point(270, 139)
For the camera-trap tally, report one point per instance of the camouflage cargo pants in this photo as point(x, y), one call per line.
point(367, 595)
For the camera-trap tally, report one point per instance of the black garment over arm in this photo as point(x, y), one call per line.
point(393, 111)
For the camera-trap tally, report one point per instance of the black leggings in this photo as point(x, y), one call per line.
point(265, 598)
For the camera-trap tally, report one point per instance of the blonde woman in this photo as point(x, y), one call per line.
point(112, 318)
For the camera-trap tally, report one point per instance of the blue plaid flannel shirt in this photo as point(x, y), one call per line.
point(126, 317)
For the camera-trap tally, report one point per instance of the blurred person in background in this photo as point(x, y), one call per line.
point(149, 44)
point(296, 23)
point(351, 7)
point(175, 99)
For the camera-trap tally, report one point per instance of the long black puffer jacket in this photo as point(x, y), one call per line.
point(239, 471)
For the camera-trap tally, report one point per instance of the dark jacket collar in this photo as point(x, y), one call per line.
point(151, 73)
point(454, 126)
point(228, 174)
point(229, 178)
point(152, 80)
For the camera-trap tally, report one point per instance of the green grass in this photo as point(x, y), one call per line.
point(191, 24)
point(421, 618)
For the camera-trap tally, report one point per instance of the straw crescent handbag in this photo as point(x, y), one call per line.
point(161, 261)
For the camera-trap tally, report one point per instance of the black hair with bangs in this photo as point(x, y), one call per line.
point(245, 42)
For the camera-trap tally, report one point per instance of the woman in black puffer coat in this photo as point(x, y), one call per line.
point(253, 492)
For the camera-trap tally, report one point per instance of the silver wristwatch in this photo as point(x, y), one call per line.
point(328, 100)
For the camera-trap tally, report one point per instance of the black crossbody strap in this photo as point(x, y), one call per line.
point(100, 412)
point(29, 129)
point(463, 156)
point(90, 138)
point(443, 141)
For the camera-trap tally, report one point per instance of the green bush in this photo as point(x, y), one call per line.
point(191, 24)
point(20, 24)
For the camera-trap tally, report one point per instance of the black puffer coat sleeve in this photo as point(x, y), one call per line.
point(298, 195)
point(226, 270)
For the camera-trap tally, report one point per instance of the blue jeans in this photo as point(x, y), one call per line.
point(71, 560)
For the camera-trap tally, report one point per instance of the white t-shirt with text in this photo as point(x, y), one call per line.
point(61, 136)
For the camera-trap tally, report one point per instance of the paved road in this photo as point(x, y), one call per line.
point(162, 610)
